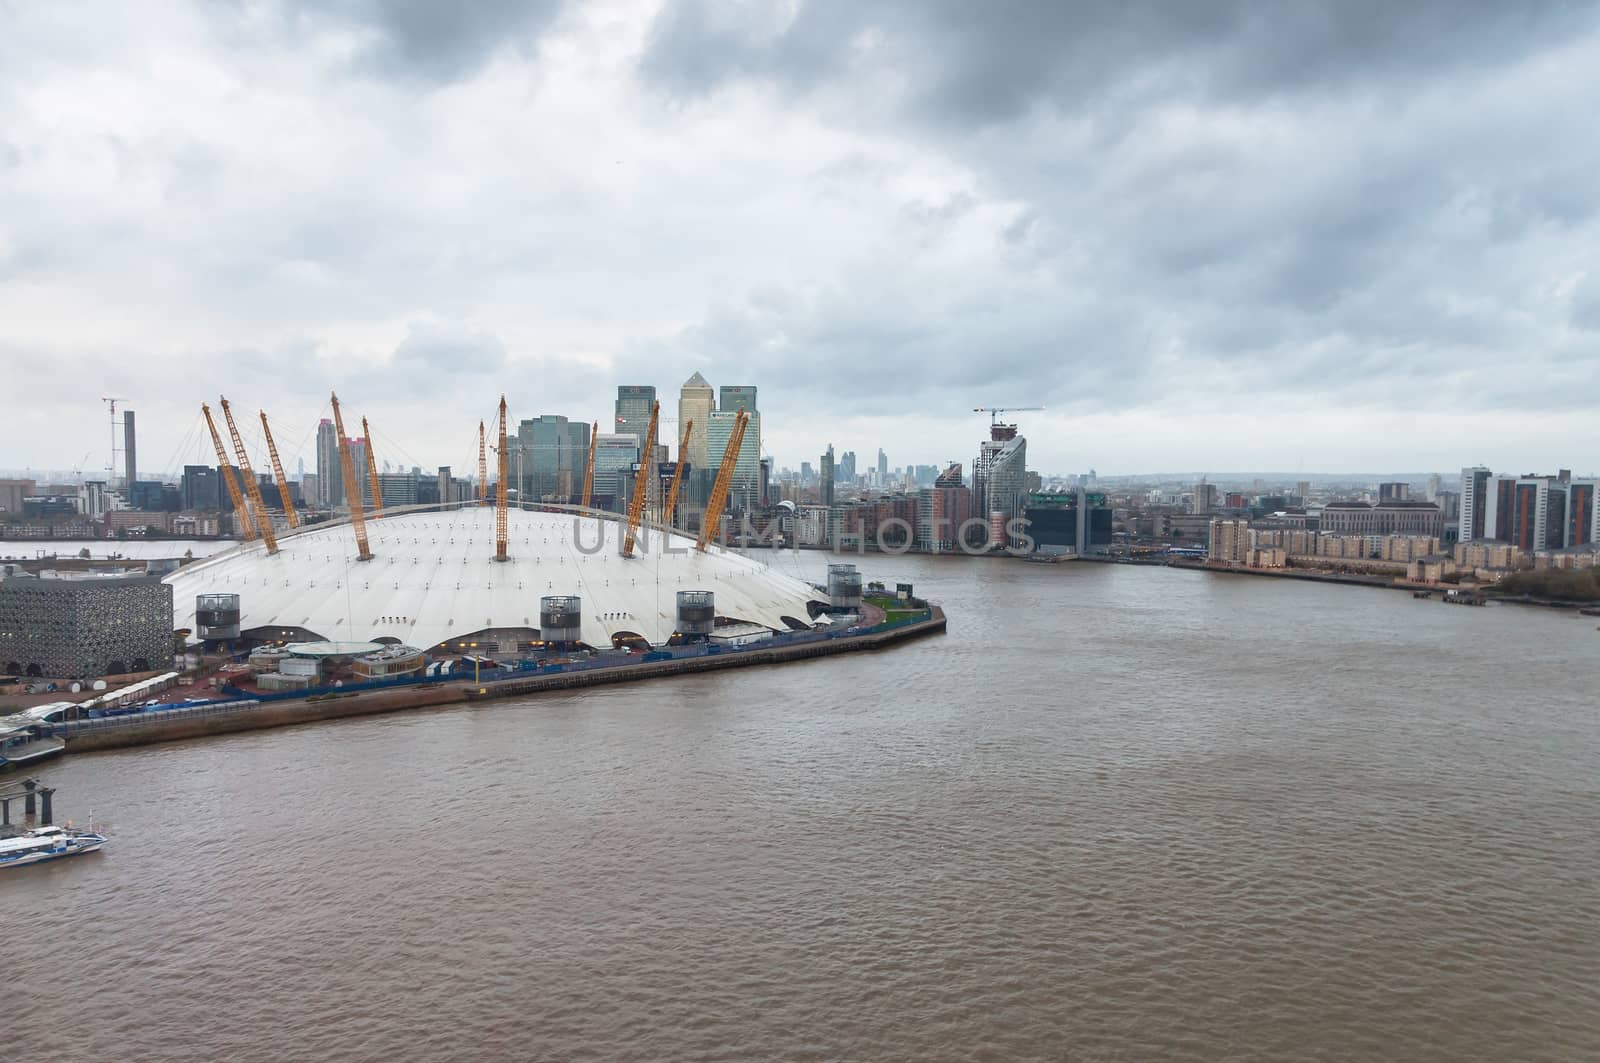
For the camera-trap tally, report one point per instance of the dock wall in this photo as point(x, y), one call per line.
point(137, 731)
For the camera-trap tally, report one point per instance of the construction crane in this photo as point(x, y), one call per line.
point(501, 534)
point(246, 528)
point(251, 485)
point(994, 412)
point(641, 483)
point(372, 471)
point(277, 474)
point(483, 466)
point(352, 487)
point(719, 490)
point(677, 475)
point(111, 470)
point(588, 469)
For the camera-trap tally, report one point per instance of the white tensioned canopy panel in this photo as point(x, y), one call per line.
point(433, 577)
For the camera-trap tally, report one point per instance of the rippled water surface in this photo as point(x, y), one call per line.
point(1115, 813)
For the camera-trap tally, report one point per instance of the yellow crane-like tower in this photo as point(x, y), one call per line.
point(277, 474)
point(588, 470)
point(251, 485)
point(719, 490)
point(500, 532)
point(483, 466)
point(352, 487)
point(677, 475)
point(641, 482)
point(246, 526)
point(372, 471)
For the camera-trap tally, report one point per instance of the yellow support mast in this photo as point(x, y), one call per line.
point(719, 490)
point(588, 470)
point(246, 525)
point(501, 534)
point(277, 473)
point(372, 471)
point(251, 486)
point(352, 487)
point(677, 475)
point(483, 466)
point(641, 482)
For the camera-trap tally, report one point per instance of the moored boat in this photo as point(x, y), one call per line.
point(25, 739)
point(47, 843)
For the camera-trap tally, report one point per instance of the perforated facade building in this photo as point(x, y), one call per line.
point(84, 627)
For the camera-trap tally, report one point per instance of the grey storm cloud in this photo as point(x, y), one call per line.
point(868, 210)
point(1287, 192)
point(427, 40)
point(970, 62)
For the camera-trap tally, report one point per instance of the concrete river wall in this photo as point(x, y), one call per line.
point(248, 715)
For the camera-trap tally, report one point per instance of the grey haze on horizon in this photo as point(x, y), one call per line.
point(1231, 235)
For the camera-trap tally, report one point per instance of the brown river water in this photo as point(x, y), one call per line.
point(1116, 813)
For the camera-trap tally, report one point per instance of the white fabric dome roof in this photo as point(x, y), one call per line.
point(433, 576)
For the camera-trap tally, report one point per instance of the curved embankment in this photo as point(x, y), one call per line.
point(138, 732)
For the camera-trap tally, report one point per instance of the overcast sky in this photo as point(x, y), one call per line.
point(1299, 236)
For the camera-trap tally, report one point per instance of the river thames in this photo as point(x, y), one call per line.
point(1116, 813)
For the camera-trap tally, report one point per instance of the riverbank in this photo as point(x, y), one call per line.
point(1353, 579)
point(252, 716)
point(1311, 575)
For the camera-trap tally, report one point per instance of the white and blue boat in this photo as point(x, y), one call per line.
point(47, 843)
point(29, 736)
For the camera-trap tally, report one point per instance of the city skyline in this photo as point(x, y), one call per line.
point(394, 451)
point(423, 215)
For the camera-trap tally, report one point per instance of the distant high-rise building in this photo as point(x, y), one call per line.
point(1230, 540)
point(1000, 474)
point(330, 477)
point(883, 467)
point(1449, 503)
point(310, 487)
point(443, 477)
point(1203, 499)
point(1434, 483)
point(737, 397)
point(12, 492)
point(1529, 512)
point(1395, 492)
point(553, 454)
point(746, 482)
point(845, 471)
point(201, 488)
point(399, 488)
point(826, 475)
point(92, 501)
point(614, 455)
point(1302, 490)
point(1583, 513)
point(745, 487)
point(130, 461)
point(634, 403)
point(358, 455)
point(696, 400)
point(1474, 501)
point(942, 510)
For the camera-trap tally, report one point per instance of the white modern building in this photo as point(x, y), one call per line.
point(433, 580)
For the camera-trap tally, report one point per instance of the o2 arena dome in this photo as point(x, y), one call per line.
point(433, 581)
